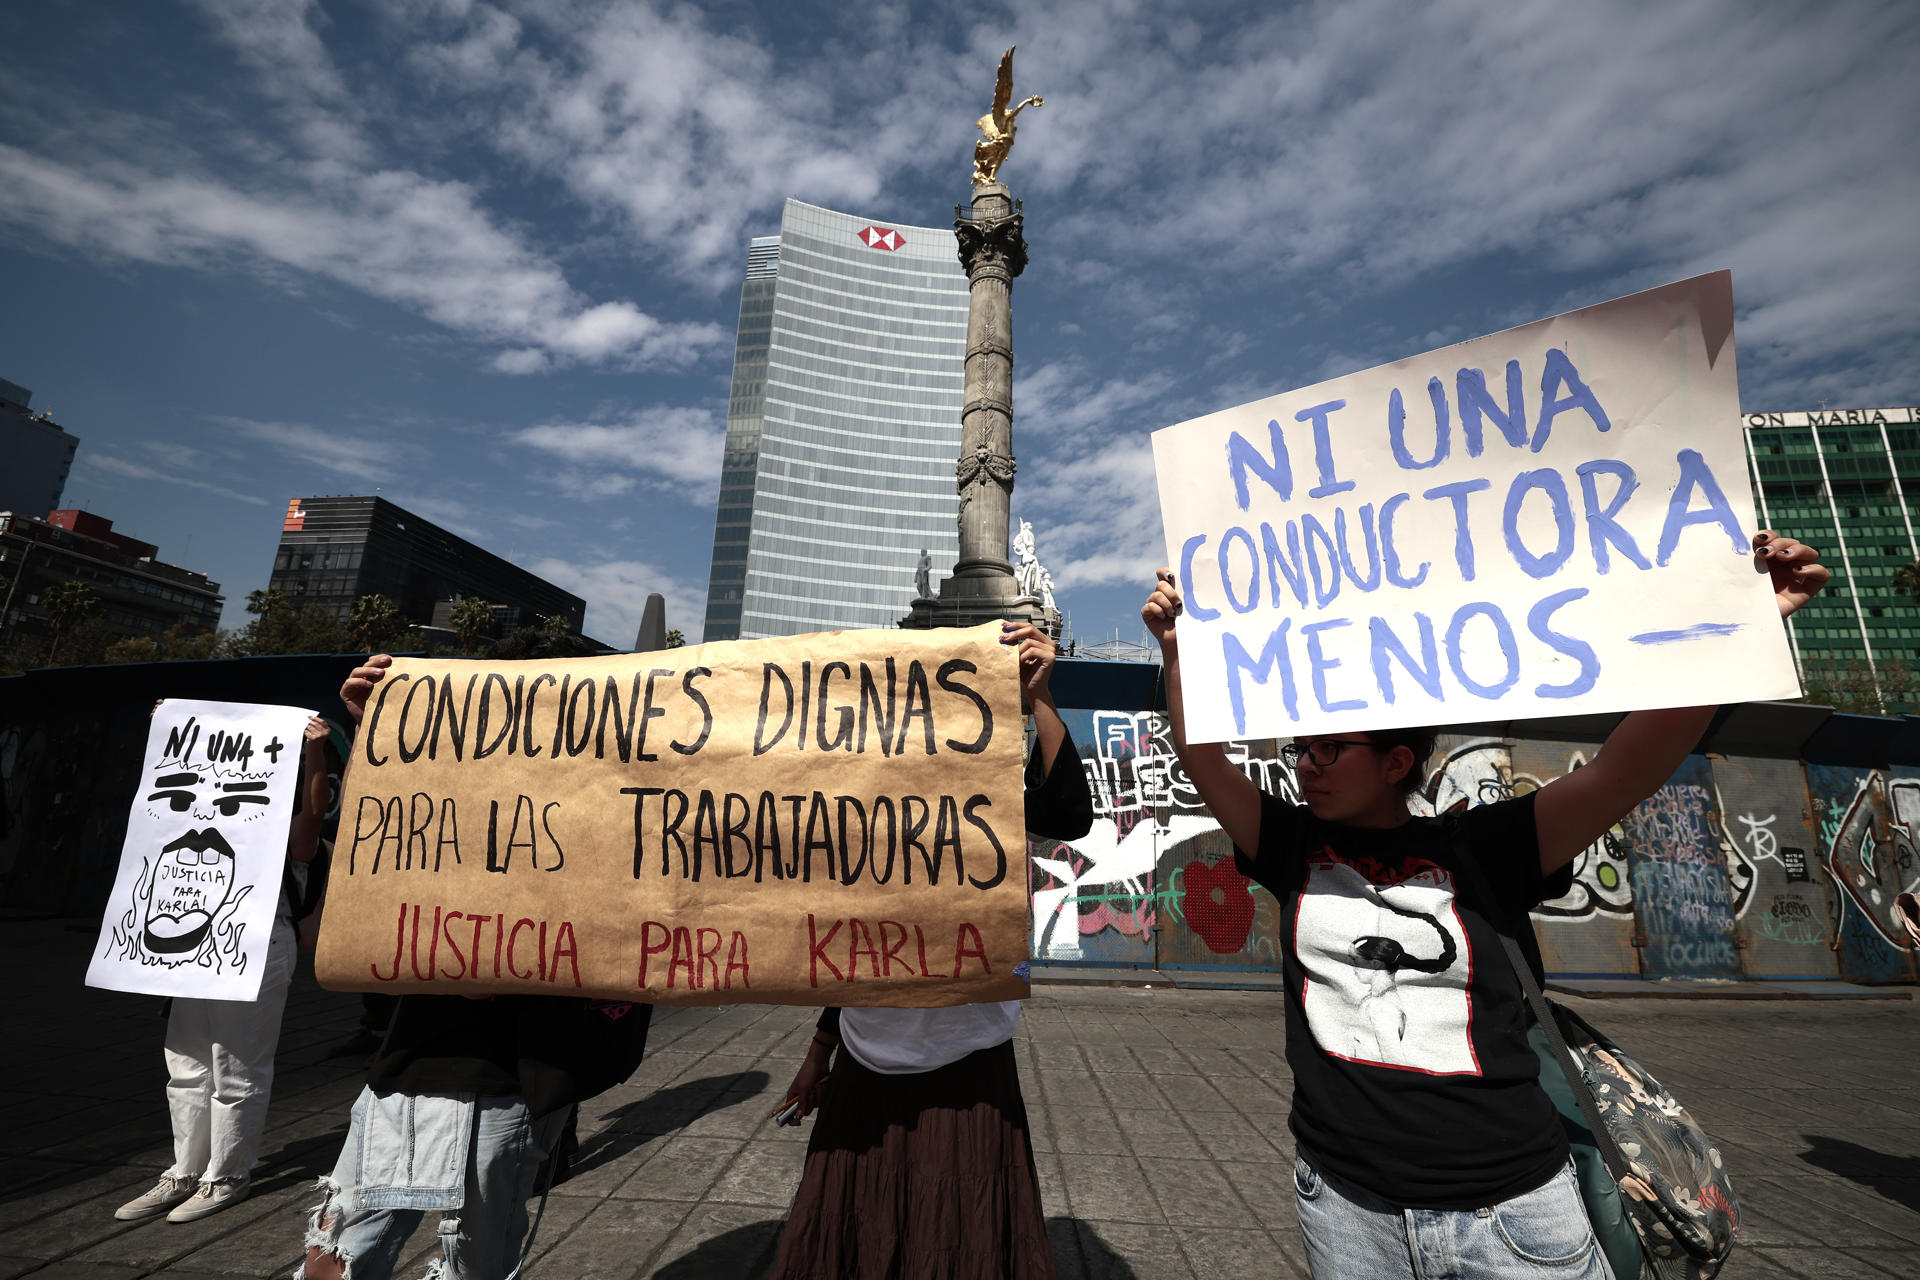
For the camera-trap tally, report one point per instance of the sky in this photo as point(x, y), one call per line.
point(486, 257)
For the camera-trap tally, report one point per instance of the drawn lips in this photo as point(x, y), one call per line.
point(168, 935)
point(202, 841)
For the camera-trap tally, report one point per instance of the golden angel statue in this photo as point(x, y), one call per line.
point(997, 127)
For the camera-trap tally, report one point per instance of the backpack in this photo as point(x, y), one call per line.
point(1641, 1161)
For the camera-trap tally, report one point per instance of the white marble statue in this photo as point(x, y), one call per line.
point(923, 576)
point(1026, 565)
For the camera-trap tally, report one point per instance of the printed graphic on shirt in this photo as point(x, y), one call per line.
point(1388, 965)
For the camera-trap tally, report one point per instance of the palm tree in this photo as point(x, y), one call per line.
point(472, 621)
point(65, 604)
point(376, 624)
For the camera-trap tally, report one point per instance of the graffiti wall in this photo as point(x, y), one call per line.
point(1866, 823)
point(1590, 931)
point(1783, 905)
point(1733, 869)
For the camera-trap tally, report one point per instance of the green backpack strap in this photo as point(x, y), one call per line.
point(1599, 1164)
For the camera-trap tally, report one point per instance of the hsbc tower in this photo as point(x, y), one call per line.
point(843, 422)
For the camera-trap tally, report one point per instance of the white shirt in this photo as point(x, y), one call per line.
point(898, 1042)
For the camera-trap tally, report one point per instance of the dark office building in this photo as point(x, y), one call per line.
point(138, 594)
point(335, 550)
point(37, 451)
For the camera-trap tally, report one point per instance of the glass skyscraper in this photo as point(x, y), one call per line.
point(1848, 482)
point(843, 425)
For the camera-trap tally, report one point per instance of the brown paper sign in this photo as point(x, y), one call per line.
point(821, 819)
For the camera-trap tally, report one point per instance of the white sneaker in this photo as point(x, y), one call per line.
point(166, 1193)
point(214, 1195)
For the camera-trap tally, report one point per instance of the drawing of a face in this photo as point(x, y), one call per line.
point(195, 874)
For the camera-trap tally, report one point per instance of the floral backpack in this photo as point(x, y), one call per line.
point(1655, 1187)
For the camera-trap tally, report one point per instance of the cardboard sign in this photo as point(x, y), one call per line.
point(199, 880)
point(821, 819)
point(1547, 521)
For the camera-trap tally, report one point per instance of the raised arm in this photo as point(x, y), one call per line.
point(1229, 794)
point(1642, 752)
point(1037, 652)
point(303, 836)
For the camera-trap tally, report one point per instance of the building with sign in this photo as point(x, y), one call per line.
point(842, 426)
point(38, 454)
point(1848, 482)
point(335, 550)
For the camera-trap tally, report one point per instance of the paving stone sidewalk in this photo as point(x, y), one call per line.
point(1159, 1119)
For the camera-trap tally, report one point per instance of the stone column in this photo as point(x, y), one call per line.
point(982, 586)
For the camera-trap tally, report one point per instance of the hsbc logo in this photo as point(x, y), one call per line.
point(880, 238)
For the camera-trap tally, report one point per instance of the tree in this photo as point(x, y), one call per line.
point(132, 649)
point(376, 624)
point(472, 621)
point(1906, 581)
point(675, 640)
point(184, 641)
point(1889, 687)
point(280, 626)
point(557, 624)
point(66, 603)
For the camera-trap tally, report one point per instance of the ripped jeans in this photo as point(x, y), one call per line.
point(472, 1159)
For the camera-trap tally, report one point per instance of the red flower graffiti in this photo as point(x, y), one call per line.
point(1217, 904)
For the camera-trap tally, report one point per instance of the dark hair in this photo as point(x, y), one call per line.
point(1419, 741)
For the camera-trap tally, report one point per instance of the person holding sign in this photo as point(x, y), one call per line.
point(465, 1098)
point(1414, 1086)
point(219, 1053)
point(920, 1161)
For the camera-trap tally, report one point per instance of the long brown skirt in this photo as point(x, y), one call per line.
point(919, 1177)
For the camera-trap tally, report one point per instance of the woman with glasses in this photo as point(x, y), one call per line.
point(1425, 1142)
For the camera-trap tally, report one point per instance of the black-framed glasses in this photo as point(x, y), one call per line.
point(1321, 751)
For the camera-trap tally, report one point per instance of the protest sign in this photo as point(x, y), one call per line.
point(1547, 521)
point(820, 819)
point(193, 902)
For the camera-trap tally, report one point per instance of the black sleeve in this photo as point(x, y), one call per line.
point(1506, 842)
point(829, 1021)
point(1059, 805)
point(1280, 826)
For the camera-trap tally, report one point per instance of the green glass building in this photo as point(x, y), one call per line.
point(1848, 481)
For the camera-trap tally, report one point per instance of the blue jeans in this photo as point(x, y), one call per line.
point(1353, 1235)
point(473, 1159)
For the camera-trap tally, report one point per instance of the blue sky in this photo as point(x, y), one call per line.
point(487, 255)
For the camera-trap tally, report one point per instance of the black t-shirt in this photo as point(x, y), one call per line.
point(550, 1050)
point(1406, 1027)
point(1059, 802)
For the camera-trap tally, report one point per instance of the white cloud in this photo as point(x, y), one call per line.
point(424, 244)
point(673, 448)
point(616, 594)
point(368, 460)
point(95, 463)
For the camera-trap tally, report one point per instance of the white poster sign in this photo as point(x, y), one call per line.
point(1546, 521)
point(193, 903)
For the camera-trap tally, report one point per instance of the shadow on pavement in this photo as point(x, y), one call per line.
point(744, 1251)
point(749, 1251)
point(668, 1109)
point(1897, 1177)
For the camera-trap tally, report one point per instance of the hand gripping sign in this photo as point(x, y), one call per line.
point(1546, 521)
point(821, 819)
point(194, 899)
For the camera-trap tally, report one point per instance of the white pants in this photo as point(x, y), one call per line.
point(220, 1070)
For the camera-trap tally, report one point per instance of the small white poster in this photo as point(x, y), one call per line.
point(193, 904)
point(1547, 521)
